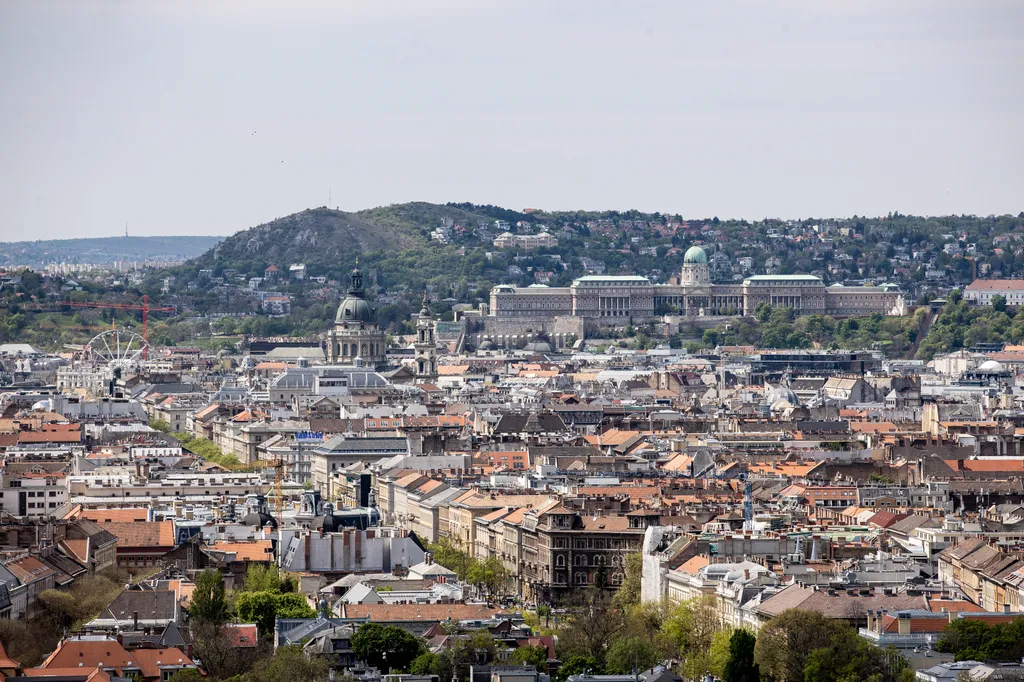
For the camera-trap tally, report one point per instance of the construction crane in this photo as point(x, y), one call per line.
point(145, 308)
point(278, 489)
point(748, 505)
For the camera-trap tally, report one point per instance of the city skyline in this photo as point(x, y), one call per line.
point(189, 119)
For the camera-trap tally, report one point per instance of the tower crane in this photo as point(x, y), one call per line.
point(145, 307)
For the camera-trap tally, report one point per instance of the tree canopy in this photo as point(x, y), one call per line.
point(386, 647)
point(208, 600)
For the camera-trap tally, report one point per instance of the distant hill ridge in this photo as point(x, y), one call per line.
point(105, 250)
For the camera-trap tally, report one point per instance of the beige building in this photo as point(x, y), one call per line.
point(528, 242)
point(622, 299)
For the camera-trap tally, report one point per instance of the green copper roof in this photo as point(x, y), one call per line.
point(695, 254)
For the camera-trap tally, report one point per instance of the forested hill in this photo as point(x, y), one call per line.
point(104, 250)
point(450, 248)
point(392, 243)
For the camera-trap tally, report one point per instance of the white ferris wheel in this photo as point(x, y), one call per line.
point(117, 348)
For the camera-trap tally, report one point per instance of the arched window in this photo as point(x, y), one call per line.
point(616, 579)
point(560, 561)
point(345, 354)
point(599, 560)
point(580, 560)
point(581, 578)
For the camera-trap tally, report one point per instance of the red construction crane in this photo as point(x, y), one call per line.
point(145, 308)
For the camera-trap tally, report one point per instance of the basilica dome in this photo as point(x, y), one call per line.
point(782, 393)
point(354, 309)
point(695, 255)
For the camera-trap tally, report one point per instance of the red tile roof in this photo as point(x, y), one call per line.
point(150, 660)
point(29, 569)
point(6, 661)
point(141, 534)
point(258, 550)
point(128, 515)
point(242, 634)
point(78, 654)
point(424, 612)
point(85, 674)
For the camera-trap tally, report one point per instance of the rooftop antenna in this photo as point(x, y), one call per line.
point(126, 228)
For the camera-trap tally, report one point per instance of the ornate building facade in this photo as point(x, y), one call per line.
point(356, 334)
point(623, 299)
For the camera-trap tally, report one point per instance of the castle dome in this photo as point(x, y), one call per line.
point(695, 255)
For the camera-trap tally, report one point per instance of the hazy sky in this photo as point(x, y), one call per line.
point(208, 117)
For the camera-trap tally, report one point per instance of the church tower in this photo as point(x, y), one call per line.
point(426, 345)
point(356, 334)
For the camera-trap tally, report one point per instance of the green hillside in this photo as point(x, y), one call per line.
point(392, 243)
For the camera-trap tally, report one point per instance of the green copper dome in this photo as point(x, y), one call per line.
point(354, 308)
point(695, 254)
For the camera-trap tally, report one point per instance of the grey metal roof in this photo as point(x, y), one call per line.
point(344, 445)
point(304, 377)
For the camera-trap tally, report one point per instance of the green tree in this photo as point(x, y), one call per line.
point(967, 638)
point(629, 654)
point(386, 647)
point(60, 607)
point(292, 664)
point(689, 630)
point(262, 578)
point(578, 665)
point(263, 608)
point(740, 665)
point(208, 601)
point(424, 664)
point(718, 657)
point(785, 642)
point(850, 658)
point(628, 593)
point(592, 624)
point(999, 303)
point(537, 656)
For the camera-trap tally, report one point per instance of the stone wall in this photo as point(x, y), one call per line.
point(561, 331)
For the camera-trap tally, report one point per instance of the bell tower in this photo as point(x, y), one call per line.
point(426, 345)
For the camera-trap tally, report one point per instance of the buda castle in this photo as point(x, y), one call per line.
point(610, 299)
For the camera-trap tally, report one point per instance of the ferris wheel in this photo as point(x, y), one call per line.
point(117, 348)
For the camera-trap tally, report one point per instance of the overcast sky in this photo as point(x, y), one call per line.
point(208, 117)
